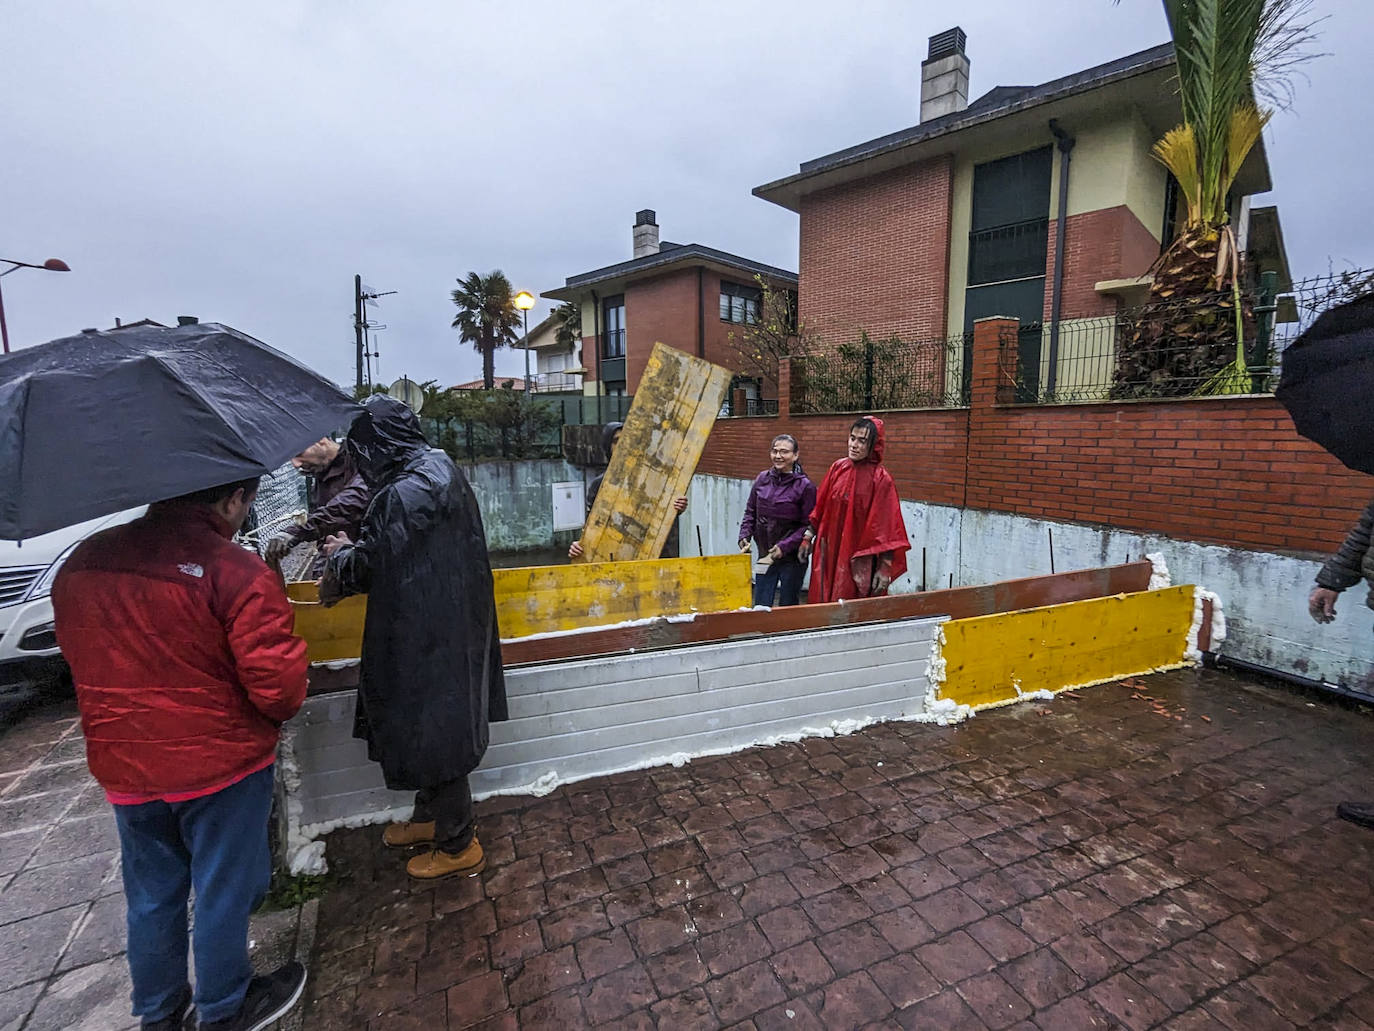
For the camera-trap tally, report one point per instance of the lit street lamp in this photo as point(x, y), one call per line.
point(51, 265)
point(524, 300)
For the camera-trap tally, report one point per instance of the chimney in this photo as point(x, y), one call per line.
point(187, 320)
point(944, 75)
point(646, 233)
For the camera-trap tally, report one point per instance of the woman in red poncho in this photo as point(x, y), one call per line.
point(856, 530)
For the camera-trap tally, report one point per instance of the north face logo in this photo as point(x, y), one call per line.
point(191, 569)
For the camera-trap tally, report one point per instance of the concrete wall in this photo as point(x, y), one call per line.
point(516, 500)
point(1264, 593)
point(584, 718)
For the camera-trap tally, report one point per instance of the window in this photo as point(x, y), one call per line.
point(1009, 230)
point(740, 303)
point(613, 327)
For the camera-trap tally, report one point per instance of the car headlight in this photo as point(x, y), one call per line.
point(43, 585)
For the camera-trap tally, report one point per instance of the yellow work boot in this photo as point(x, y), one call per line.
point(405, 833)
point(467, 863)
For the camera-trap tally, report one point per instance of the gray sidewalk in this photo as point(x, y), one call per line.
point(62, 964)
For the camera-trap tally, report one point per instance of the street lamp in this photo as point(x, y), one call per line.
point(524, 300)
point(51, 265)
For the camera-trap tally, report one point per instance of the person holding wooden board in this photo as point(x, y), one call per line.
point(856, 529)
point(610, 435)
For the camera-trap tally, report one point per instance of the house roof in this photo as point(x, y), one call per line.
point(930, 138)
point(516, 382)
point(668, 255)
point(538, 331)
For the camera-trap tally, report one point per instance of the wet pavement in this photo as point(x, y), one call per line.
point(62, 965)
point(1161, 854)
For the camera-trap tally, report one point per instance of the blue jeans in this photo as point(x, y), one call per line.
point(784, 576)
point(218, 845)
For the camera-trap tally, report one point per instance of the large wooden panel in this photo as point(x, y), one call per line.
point(675, 406)
point(994, 659)
point(548, 599)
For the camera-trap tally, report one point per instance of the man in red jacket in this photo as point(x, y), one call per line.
point(185, 665)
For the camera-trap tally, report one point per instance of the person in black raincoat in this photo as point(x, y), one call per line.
point(431, 675)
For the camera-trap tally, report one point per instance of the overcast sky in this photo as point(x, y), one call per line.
point(241, 161)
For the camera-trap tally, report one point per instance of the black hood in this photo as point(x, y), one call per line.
point(383, 438)
point(608, 433)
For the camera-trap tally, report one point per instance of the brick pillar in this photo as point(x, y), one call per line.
point(785, 368)
point(739, 402)
point(994, 361)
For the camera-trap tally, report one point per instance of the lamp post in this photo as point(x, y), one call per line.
point(524, 300)
point(51, 265)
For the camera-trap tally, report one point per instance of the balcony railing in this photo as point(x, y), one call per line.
point(613, 343)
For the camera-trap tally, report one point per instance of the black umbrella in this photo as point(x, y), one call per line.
point(100, 422)
point(1327, 383)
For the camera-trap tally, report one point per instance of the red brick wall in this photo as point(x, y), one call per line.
point(1111, 243)
point(660, 309)
point(1226, 471)
point(875, 255)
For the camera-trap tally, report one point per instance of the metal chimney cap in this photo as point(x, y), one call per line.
point(646, 217)
point(951, 41)
point(187, 320)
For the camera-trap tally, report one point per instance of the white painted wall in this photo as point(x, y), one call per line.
point(590, 717)
point(1264, 594)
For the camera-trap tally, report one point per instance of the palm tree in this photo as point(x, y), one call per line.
point(568, 319)
point(1192, 338)
point(487, 317)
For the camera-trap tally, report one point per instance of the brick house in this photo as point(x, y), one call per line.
point(687, 296)
point(922, 232)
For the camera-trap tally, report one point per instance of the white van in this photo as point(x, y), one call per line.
point(28, 642)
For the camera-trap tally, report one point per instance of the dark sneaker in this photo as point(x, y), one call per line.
point(175, 1020)
point(1357, 812)
point(268, 999)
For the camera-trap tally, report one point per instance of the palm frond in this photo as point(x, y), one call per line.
point(1177, 151)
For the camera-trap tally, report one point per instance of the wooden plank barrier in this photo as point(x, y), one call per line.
point(990, 660)
point(676, 405)
point(545, 599)
point(957, 603)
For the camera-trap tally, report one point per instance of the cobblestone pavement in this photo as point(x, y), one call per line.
point(62, 964)
point(1083, 863)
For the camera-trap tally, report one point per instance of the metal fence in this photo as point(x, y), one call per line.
point(1174, 348)
point(751, 406)
point(884, 375)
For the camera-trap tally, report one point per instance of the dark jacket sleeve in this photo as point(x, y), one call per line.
point(746, 525)
point(789, 544)
point(1344, 569)
point(350, 568)
point(344, 511)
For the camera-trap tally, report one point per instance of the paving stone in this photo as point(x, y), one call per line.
point(90, 998)
point(101, 934)
point(903, 980)
point(32, 946)
point(35, 890)
point(744, 992)
point(618, 994)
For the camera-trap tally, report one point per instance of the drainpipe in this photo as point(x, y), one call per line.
point(596, 350)
point(1065, 144)
point(701, 312)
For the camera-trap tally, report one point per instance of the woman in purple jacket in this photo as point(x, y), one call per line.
point(775, 518)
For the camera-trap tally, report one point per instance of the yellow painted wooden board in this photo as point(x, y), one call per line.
point(988, 658)
point(676, 404)
point(542, 599)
